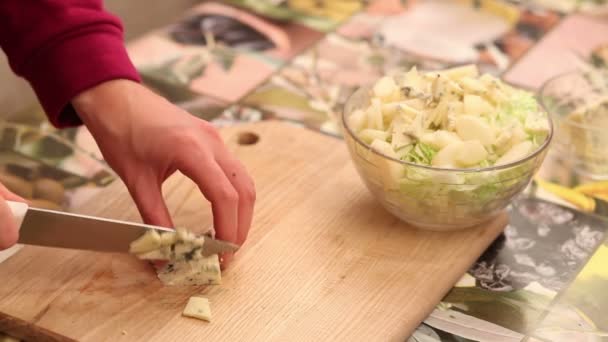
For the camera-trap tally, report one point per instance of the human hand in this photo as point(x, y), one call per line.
point(145, 139)
point(9, 232)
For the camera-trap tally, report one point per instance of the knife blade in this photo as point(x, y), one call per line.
point(49, 228)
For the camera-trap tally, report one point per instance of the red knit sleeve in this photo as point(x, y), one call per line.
point(63, 47)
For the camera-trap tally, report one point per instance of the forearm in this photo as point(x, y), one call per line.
point(63, 48)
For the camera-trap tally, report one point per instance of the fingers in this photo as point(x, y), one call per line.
point(147, 194)
point(244, 186)
point(8, 229)
point(218, 190)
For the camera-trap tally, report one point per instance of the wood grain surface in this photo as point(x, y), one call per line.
point(323, 262)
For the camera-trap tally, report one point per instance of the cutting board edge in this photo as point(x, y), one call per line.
point(29, 331)
point(503, 221)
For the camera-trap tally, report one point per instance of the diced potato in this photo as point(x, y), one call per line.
point(409, 107)
point(416, 128)
point(408, 110)
point(440, 139)
point(457, 73)
point(439, 114)
point(518, 135)
point(488, 80)
point(473, 128)
point(383, 147)
point(385, 87)
point(516, 153)
point(503, 139)
point(470, 153)
point(445, 158)
point(374, 116)
point(416, 104)
point(368, 135)
point(390, 109)
point(198, 307)
point(399, 138)
point(456, 107)
point(397, 95)
point(146, 243)
point(453, 88)
point(413, 79)
point(475, 105)
point(472, 85)
point(357, 120)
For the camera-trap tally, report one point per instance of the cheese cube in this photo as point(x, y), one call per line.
point(199, 308)
point(202, 271)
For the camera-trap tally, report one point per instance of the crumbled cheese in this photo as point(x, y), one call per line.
point(204, 271)
point(184, 252)
point(198, 307)
point(146, 243)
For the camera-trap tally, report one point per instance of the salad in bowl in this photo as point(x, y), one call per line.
point(445, 149)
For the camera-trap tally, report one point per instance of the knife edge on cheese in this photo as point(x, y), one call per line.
point(188, 264)
point(192, 260)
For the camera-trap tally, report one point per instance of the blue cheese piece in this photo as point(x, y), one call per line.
point(184, 252)
point(196, 272)
point(146, 243)
point(199, 308)
point(183, 249)
point(163, 253)
point(167, 239)
point(185, 235)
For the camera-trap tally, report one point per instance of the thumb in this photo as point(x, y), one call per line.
point(148, 197)
point(8, 229)
point(10, 196)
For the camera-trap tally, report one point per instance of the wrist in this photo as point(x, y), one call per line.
point(104, 107)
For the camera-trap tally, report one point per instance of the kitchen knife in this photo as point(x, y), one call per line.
point(58, 229)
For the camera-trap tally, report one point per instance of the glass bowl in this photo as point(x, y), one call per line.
point(433, 198)
point(580, 142)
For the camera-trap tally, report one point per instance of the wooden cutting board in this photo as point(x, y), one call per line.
point(323, 262)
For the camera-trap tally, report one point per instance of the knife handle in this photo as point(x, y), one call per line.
point(18, 209)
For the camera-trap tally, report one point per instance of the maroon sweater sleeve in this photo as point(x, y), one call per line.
point(63, 47)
